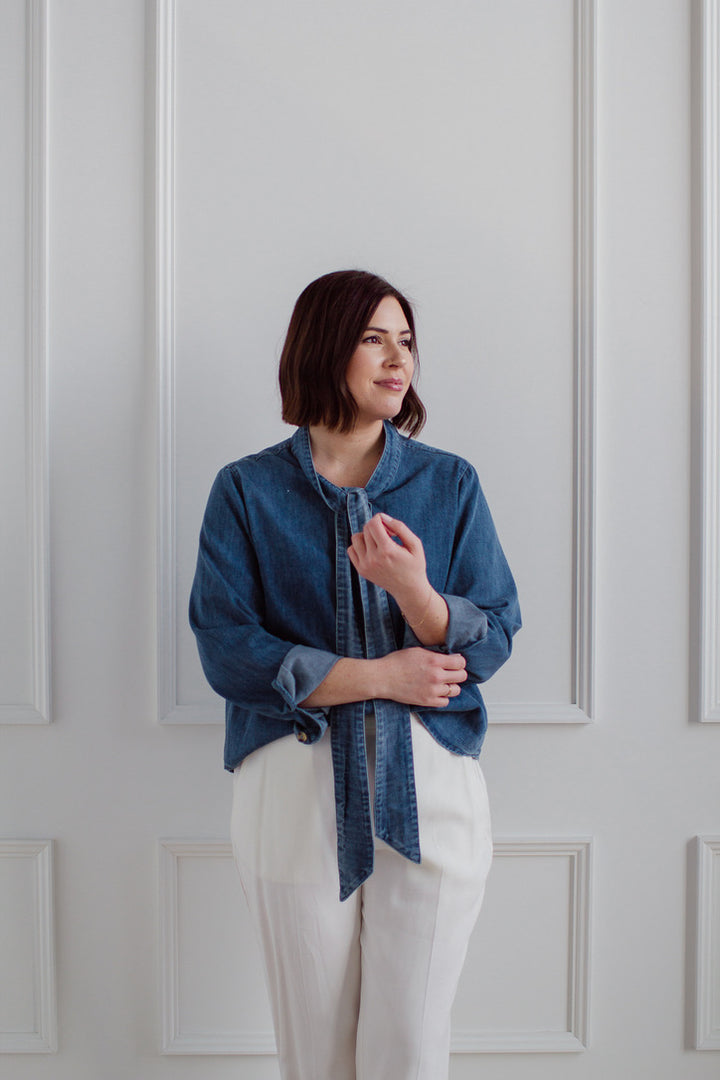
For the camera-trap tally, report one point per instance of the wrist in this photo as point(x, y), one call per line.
point(417, 607)
point(378, 677)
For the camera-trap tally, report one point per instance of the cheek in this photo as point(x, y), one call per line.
point(359, 372)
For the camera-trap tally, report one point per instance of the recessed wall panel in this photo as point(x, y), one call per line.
point(524, 988)
point(707, 999)
point(214, 991)
point(413, 164)
point(23, 474)
point(525, 983)
point(707, 596)
point(27, 958)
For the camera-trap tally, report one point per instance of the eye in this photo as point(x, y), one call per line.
point(407, 342)
point(371, 339)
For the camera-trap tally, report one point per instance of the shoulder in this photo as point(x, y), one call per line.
point(444, 463)
point(270, 461)
point(453, 479)
point(264, 471)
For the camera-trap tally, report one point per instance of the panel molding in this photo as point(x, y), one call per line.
point(466, 1041)
point(36, 711)
point(585, 354)
point(581, 709)
point(174, 1039)
point(43, 1039)
point(537, 712)
point(163, 347)
point(575, 1038)
point(707, 1000)
point(709, 239)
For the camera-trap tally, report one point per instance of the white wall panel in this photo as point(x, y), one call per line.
point(27, 955)
point(708, 599)
point(448, 146)
point(525, 986)
point(247, 191)
point(707, 1002)
point(24, 619)
point(526, 983)
point(214, 1000)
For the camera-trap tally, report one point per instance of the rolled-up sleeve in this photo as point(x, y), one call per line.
point(301, 672)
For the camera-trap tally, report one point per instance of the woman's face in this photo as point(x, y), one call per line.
point(379, 371)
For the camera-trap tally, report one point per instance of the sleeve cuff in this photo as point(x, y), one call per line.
point(301, 672)
point(467, 626)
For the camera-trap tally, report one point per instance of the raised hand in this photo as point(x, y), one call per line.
point(399, 568)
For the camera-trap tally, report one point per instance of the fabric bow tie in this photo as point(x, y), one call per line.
point(367, 633)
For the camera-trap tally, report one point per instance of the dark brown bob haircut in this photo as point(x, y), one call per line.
point(327, 323)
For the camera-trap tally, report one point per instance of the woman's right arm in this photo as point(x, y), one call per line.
point(242, 661)
point(411, 676)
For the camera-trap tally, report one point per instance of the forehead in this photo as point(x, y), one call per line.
point(389, 315)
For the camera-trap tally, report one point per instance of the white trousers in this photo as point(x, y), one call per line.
point(360, 990)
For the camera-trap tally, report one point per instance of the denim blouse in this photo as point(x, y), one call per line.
point(275, 604)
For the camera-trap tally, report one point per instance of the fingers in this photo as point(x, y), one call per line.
point(454, 674)
point(382, 527)
point(398, 528)
point(375, 548)
point(378, 541)
point(450, 674)
point(369, 540)
point(445, 693)
point(454, 679)
point(419, 676)
point(376, 534)
point(453, 661)
point(358, 547)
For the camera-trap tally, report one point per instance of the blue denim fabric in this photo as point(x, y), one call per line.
point(275, 603)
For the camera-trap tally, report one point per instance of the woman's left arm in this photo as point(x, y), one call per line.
point(480, 590)
point(477, 614)
point(400, 569)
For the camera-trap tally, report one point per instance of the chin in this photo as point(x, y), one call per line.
point(390, 411)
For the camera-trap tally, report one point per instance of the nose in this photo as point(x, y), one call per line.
point(397, 355)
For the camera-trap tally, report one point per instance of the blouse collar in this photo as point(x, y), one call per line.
point(336, 497)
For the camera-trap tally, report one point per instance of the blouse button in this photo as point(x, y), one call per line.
point(302, 736)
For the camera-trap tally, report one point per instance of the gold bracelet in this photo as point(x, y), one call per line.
point(424, 614)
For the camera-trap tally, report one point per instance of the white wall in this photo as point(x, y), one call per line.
point(436, 146)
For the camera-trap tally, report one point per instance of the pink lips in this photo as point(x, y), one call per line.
point(391, 384)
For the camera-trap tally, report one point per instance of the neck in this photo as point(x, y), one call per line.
point(347, 459)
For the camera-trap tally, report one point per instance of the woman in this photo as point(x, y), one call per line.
point(351, 579)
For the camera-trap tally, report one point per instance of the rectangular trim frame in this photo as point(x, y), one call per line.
point(707, 514)
point(574, 1039)
point(707, 1033)
point(174, 1041)
point(581, 709)
point(36, 711)
point(43, 1040)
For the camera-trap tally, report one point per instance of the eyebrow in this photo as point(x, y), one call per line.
point(380, 330)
